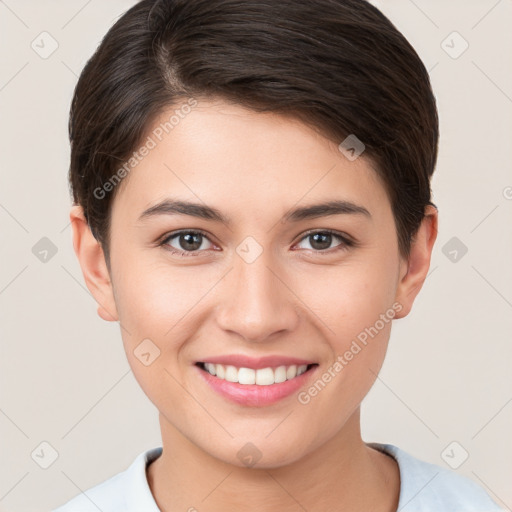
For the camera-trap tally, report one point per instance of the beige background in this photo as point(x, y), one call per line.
point(64, 376)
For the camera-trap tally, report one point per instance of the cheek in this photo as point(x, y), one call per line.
point(153, 297)
point(163, 304)
point(358, 311)
point(358, 319)
point(349, 298)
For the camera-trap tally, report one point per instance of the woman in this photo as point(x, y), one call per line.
point(251, 184)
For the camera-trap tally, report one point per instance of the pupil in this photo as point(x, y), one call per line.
point(189, 238)
point(326, 240)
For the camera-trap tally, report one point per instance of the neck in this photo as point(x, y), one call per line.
point(342, 474)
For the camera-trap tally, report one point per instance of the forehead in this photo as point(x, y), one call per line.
point(243, 162)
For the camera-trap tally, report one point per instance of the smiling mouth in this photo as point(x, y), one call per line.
point(261, 376)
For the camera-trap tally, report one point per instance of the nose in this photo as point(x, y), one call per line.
point(256, 301)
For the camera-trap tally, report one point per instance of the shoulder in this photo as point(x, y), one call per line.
point(426, 487)
point(107, 496)
point(123, 492)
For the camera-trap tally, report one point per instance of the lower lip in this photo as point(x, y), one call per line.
point(253, 394)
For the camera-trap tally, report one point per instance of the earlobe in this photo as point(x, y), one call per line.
point(418, 263)
point(94, 268)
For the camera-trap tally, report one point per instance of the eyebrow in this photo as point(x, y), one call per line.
point(175, 207)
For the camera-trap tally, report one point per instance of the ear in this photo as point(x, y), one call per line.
point(94, 267)
point(413, 271)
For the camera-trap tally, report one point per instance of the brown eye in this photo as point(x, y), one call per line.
point(321, 241)
point(185, 243)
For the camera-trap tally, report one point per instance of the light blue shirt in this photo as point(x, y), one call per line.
point(424, 487)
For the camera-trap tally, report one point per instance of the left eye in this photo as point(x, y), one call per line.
point(190, 242)
point(323, 239)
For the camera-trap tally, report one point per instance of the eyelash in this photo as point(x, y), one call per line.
point(345, 245)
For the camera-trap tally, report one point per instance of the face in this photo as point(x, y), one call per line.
point(256, 285)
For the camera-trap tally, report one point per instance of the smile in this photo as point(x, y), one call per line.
point(253, 382)
point(261, 376)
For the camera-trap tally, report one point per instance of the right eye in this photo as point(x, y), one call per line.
point(189, 242)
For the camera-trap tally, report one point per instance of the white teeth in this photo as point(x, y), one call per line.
point(280, 374)
point(265, 376)
point(220, 371)
point(291, 371)
point(231, 374)
point(301, 369)
point(246, 376)
point(261, 377)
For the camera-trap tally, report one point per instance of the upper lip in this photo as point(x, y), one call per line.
point(241, 361)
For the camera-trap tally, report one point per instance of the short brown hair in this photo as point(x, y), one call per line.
point(340, 66)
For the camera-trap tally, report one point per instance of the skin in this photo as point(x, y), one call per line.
point(292, 300)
